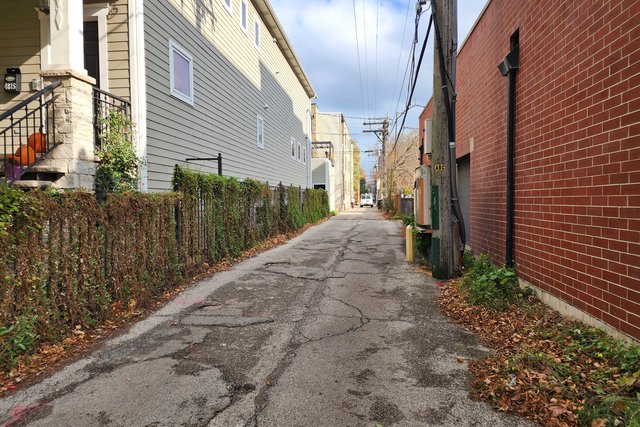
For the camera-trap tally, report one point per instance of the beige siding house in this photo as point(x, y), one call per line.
point(332, 141)
point(198, 78)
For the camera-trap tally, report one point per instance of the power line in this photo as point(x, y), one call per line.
point(355, 22)
point(415, 81)
point(366, 59)
point(375, 80)
point(410, 59)
point(404, 31)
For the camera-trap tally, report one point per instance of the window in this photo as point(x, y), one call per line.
point(228, 4)
point(299, 151)
point(293, 148)
point(260, 132)
point(243, 15)
point(256, 33)
point(180, 73)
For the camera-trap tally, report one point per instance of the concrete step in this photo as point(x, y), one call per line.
point(32, 183)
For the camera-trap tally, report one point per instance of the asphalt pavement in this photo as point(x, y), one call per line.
point(332, 328)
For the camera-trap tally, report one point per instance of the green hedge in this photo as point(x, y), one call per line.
point(221, 216)
point(67, 260)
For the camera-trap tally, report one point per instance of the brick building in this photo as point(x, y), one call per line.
point(577, 150)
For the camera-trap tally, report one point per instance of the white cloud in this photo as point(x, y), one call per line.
point(323, 34)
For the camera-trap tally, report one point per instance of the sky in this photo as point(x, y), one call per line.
point(355, 53)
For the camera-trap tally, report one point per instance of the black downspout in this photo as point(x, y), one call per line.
point(510, 176)
point(509, 66)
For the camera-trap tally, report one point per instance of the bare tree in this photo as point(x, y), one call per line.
point(401, 163)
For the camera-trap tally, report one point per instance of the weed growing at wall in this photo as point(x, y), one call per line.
point(491, 286)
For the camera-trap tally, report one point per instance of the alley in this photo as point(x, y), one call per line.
point(331, 329)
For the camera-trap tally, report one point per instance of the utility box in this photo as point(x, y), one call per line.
point(12, 80)
point(422, 198)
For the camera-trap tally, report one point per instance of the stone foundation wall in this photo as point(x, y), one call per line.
point(75, 156)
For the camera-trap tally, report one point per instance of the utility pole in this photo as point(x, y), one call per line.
point(383, 135)
point(441, 199)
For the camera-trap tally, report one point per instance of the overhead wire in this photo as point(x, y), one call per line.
point(415, 81)
point(404, 32)
point(355, 22)
point(410, 65)
point(366, 58)
point(375, 79)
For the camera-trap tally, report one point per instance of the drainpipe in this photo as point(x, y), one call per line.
point(508, 67)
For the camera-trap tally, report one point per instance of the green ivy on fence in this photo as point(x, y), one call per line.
point(67, 260)
point(221, 216)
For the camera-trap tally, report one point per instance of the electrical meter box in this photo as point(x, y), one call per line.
point(12, 80)
point(422, 205)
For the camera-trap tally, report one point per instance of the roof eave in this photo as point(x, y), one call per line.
point(275, 28)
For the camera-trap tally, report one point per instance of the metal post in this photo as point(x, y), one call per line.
point(177, 213)
point(220, 164)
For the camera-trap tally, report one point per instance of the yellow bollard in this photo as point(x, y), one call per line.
point(409, 234)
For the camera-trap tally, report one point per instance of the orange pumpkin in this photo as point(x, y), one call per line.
point(24, 155)
point(38, 142)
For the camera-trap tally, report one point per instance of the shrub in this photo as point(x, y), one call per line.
point(119, 163)
point(491, 286)
point(468, 259)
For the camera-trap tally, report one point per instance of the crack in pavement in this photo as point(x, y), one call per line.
point(294, 276)
point(262, 398)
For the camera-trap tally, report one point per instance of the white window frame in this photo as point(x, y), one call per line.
point(292, 151)
point(304, 154)
point(174, 47)
point(257, 37)
point(260, 131)
point(244, 16)
point(229, 6)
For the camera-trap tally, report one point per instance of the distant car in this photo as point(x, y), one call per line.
point(366, 200)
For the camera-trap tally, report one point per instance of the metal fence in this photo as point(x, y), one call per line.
point(104, 103)
point(27, 132)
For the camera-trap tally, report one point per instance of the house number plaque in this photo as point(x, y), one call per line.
point(12, 80)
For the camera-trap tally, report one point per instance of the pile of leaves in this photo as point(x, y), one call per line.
point(555, 371)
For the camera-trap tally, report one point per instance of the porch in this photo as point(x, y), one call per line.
point(64, 63)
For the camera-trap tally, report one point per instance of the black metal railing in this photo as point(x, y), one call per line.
point(27, 132)
point(105, 104)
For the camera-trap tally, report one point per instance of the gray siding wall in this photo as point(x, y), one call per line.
point(233, 81)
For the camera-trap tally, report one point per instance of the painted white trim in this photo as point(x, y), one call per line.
point(138, 83)
point(99, 12)
point(244, 25)
point(257, 36)
point(45, 40)
point(229, 6)
point(259, 130)
point(176, 48)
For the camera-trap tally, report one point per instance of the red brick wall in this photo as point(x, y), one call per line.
point(577, 165)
